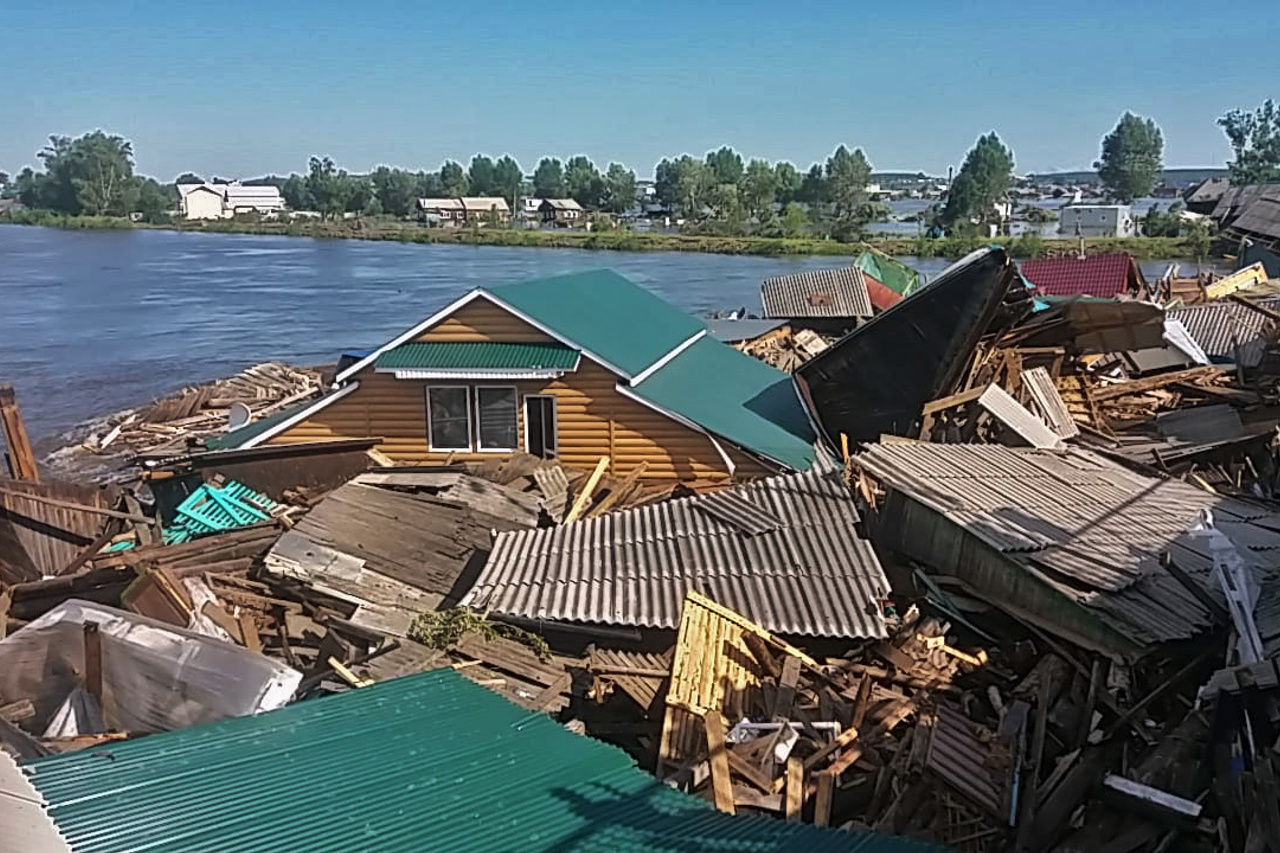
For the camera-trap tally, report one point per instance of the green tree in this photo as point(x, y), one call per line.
point(102, 173)
point(328, 187)
point(619, 188)
point(4, 178)
point(548, 179)
point(358, 193)
point(983, 182)
point(395, 189)
point(583, 181)
point(1159, 223)
point(758, 188)
point(1132, 158)
point(848, 174)
point(1199, 236)
point(694, 181)
point(666, 183)
point(480, 176)
point(726, 165)
point(188, 178)
point(453, 180)
point(508, 180)
point(154, 201)
point(813, 186)
point(788, 181)
point(793, 220)
point(297, 194)
point(1255, 141)
point(428, 185)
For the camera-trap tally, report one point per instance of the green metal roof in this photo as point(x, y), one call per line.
point(890, 272)
point(484, 355)
point(735, 396)
point(426, 762)
point(605, 314)
point(237, 437)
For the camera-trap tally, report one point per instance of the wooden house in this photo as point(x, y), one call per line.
point(562, 213)
point(578, 367)
point(485, 210)
point(446, 212)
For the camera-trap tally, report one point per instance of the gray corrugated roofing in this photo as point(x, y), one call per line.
point(810, 574)
point(817, 293)
point(1218, 326)
point(1094, 530)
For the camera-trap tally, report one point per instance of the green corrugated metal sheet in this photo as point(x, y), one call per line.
point(425, 762)
point(480, 355)
point(605, 314)
point(735, 396)
point(888, 271)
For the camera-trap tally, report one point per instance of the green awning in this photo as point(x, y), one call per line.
point(478, 360)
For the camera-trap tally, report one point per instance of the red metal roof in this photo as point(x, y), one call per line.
point(1104, 276)
point(882, 297)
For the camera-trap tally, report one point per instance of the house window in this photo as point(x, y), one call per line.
point(449, 417)
point(498, 425)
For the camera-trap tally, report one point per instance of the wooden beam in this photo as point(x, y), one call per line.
point(93, 661)
point(620, 490)
point(249, 631)
point(786, 695)
point(356, 681)
point(744, 768)
point(549, 694)
point(96, 510)
point(108, 533)
point(951, 402)
point(1139, 386)
point(845, 738)
point(22, 460)
point(861, 699)
point(795, 788)
point(584, 497)
point(718, 751)
point(822, 804)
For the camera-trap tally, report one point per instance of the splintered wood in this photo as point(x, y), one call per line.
point(785, 349)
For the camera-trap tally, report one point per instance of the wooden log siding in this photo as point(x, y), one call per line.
point(592, 418)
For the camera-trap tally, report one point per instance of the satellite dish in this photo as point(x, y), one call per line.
point(237, 416)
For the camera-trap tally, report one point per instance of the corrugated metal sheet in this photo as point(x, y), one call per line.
point(1219, 327)
point(424, 762)
point(1104, 276)
point(1045, 393)
point(1090, 528)
point(480, 355)
point(812, 575)
point(1016, 417)
point(975, 767)
point(817, 293)
point(1201, 425)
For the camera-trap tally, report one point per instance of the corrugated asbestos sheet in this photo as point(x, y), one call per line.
point(425, 762)
point(875, 380)
point(1262, 216)
point(1092, 530)
point(793, 562)
point(25, 827)
point(817, 293)
point(977, 768)
point(1044, 391)
point(1219, 327)
point(38, 538)
point(1017, 417)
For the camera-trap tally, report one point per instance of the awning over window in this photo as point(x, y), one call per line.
point(478, 360)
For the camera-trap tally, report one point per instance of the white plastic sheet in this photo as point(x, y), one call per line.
point(155, 677)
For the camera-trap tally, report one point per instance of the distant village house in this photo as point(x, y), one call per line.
point(1097, 220)
point(562, 213)
point(467, 210)
point(223, 201)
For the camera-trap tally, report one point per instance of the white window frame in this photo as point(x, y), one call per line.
point(515, 393)
point(431, 438)
point(555, 422)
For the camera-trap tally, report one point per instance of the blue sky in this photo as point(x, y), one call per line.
point(239, 89)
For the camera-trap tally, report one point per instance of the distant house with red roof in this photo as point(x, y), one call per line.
point(1103, 276)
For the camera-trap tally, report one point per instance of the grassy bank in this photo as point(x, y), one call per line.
point(1142, 248)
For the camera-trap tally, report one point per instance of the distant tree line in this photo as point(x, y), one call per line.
point(718, 193)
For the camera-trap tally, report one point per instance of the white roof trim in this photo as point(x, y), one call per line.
point(425, 373)
point(668, 358)
point(454, 306)
point(299, 417)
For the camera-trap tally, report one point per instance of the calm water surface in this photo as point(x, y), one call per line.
point(97, 321)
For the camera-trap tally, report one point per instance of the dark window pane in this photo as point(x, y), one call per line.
point(450, 420)
point(497, 418)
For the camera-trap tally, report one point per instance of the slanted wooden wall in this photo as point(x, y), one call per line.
point(593, 419)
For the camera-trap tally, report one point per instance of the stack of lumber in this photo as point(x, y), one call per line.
point(784, 348)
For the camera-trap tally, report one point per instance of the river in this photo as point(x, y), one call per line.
point(98, 321)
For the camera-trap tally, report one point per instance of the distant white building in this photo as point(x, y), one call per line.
point(223, 201)
point(1096, 220)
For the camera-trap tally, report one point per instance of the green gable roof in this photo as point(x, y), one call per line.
point(425, 762)
point(480, 355)
point(605, 314)
point(736, 396)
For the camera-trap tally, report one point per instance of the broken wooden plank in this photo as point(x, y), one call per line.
point(584, 497)
point(620, 490)
point(545, 699)
point(744, 768)
point(795, 788)
point(845, 738)
point(249, 633)
point(751, 798)
point(224, 620)
point(356, 681)
point(718, 752)
point(22, 459)
point(822, 802)
point(93, 661)
point(787, 683)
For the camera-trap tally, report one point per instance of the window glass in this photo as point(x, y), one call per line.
point(450, 418)
point(498, 427)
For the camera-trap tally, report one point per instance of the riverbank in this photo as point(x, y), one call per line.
point(1027, 246)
